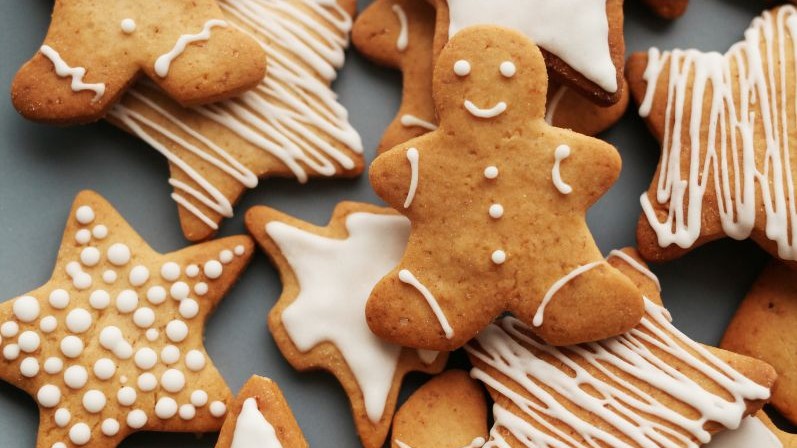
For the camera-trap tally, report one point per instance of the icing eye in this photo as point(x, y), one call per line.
point(507, 69)
point(462, 68)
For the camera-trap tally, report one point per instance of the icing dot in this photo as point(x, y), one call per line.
point(147, 382)
point(29, 341)
point(11, 352)
point(94, 401)
point(128, 26)
point(80, 279)
point(126, 396)
point(507, 69)
point(83, 236)
point(90, 256)
point(99, 299)
point(49, 396)
point(53, 365)
point(192, 270)
point(78, 320)
point(110, 427)
point(199, 398)
point(59, 445)
point(9, 329)
point(110, 337)
point(136, 419)
point(462, 68)
point(213, 269)
point(127, 301)
point(195, 360)
point(119, 254)
point(104, 369)
point(170, 355)
point(189, 308)
point(201, 288)
point(165, 408)
point(496, 211)
point(48, 324)
point(173, 380)
point(71, 346)
point(59, 299)
point(170, 271)
point(99, 231)
point(239, 250)
point(225, 256)
point(29, 367)
point(26, 309)
point(84, 214)
point(179, 290)
point(491, 172)
point(152, 335)
point(146, 358)
point(80, 434)
point(498, 257)
point(156, 295)
point(218, 409)
point(139, 275)
point(76, 377)
point(176, 331)
point(109, 276)
point(187, 412)
point(144, 317)
point(62, 417)
point(123, 350)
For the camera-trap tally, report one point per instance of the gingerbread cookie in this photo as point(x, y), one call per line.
point(787, 439)
point(479, 248)
point(112, 344)
point(568, 109)
point(668, 9)
point(755, 431)
point(93, 53)
point(399, 34)
point(725, 126)
point(652, 386)
point(291, 125)
point(764, 327)
point(319, 320)
point(582, 40)
point(260, 418)
point(449, 411)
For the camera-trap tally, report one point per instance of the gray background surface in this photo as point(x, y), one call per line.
point(42, 168)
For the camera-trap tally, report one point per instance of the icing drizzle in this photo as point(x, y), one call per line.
point(407, 277)
point(403, 38)
point(478, 442)
point(412, 157)
point(63, 70)
point(164, 61)
point(540, 314)
point(724, 152)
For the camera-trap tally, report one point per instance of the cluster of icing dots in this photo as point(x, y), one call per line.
point(496, 212)
point(153, 363)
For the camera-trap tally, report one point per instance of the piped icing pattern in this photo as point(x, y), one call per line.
point(561, 153)
point(77, 74)
point(252, 430)
point(78, 341)
point(741, 106)
point(291, 119)
point(403, 39)
point(164, 61)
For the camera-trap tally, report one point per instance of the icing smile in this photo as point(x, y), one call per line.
point(492, 112)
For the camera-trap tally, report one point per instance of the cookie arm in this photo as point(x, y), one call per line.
point(591, 167)
point(391, 175)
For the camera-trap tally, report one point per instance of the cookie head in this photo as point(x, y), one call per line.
point(490, 73)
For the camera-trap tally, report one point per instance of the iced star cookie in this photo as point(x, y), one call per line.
point(582, 40)
point(755, 431)
point(399, 34)
point(449, 411)
point(290, 125)
point(497, 200)
point(94, 52)
point(668, 9)
point(765, 327)
point(260, 418)
point(725, 123)
point(112, 344)
point(652, 386)
point(319, 320)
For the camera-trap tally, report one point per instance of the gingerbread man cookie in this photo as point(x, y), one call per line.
point(94, 52)
point(260, 418)
point(497, 200)
point(291, 125)
point(112, 344)
point(399, 34)
point(652, 386)
point(319, 320)
point(725, 123)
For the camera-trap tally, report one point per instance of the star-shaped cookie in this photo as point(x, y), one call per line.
point(726, 127)
point(113, 342)
point(290, 125)
point(93, 53)
point(319, 320)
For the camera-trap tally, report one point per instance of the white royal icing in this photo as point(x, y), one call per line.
point(751, 434)
point(553, 104)
point(539, 316)
point(409, 278)
point(581, 40)
point(408, 121)
point(63, 70)
point(164, 61)
point(478, 442)
point(403, 37)
point(562, 152)
point(491, 112)
point(413, 158)
point(252, 430)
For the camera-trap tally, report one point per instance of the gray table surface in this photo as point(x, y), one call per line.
point(42, 168)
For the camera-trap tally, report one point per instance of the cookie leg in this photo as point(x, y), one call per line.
point(591, 303)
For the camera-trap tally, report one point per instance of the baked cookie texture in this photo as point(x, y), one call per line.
point(319, 320)
point(584, 51)
point(668, 9)
point(763, 327)
point(93, 53)
point(291, 125)
point(652, 386)
point(260, 417)
point(569, 109)
point(725, 126)
point(497, 200)
point(449, 411)
point(113, 344)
